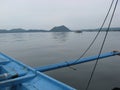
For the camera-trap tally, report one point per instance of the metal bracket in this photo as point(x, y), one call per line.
point(115, 51)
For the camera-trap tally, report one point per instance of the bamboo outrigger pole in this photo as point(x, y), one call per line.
point(74, 62)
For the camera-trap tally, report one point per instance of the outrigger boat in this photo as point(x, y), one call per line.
point(14, 75)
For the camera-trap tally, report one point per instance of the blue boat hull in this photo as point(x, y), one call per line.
point(15, 75)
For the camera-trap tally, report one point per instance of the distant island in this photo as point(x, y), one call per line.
point(55, 29)
point(60, 29)
point(104, 29)
point(20, 30)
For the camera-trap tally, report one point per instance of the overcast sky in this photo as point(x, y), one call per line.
point(45, 14)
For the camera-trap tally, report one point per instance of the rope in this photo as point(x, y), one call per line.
point(97, 33)
point(92, 42)
point(94, 68)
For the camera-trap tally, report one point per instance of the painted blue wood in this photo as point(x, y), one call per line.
point(23, 77)
point(74, 62)
point(17, 76)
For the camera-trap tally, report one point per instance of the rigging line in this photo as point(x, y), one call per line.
point(96, 34)
point(70, 66)
point(94, 68)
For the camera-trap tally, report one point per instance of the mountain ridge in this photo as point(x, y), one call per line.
point(55, 29)
point(60, 29)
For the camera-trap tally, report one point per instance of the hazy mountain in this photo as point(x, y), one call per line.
point(54, 29)
point(3, 31)
point(60, 29)
point(20, 30)
point(104, 29)
point(17, 30)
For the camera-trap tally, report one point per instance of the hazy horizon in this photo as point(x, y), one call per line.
point(45, 14)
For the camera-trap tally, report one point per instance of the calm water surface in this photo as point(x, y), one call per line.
point(39, 49)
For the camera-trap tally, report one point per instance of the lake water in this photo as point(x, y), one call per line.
point(39, 49)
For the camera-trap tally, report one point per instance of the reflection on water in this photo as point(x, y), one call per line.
point(38, 49)
point(60, 36)
point(17, 37)
point(12, 37)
